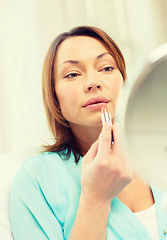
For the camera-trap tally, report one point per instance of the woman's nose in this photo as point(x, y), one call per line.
point(93, 86)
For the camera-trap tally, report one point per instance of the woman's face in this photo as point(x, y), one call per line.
point(86, 77)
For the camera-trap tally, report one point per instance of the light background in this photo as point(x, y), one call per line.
point(27, 28)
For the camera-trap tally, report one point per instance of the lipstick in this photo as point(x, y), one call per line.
point(105, 115)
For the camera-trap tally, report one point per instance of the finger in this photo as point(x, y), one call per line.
point(105, 138)
point(117, 137)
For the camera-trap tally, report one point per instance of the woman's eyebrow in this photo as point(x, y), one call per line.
point(70, 61)
point(77, 62)
point(103, 54)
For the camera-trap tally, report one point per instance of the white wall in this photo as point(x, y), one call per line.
point(22, 119)
point(27, 28)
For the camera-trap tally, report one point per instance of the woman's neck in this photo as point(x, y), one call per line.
point(85, 136)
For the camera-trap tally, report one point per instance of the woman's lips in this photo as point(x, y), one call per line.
point(96, 102)
point(95, 106)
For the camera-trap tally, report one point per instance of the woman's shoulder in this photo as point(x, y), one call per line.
point(32, 166)
point(39, 159)
point(40, 166)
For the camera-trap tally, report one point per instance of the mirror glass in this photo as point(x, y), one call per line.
point(144, 119)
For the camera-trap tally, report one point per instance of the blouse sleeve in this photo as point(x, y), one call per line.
point(31, 215)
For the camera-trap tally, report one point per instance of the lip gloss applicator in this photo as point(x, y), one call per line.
point(105, 115)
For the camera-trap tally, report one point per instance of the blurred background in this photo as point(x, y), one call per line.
point(27, 27)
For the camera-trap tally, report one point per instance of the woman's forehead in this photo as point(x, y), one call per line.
point(79, 47)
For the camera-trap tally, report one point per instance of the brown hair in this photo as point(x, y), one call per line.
point(63, 136)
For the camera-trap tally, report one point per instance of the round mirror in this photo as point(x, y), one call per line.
point(144, 119)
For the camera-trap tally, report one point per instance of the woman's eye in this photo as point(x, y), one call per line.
point(72, 75)
point(107, 69)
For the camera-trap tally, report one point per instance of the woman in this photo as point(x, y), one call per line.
point(82, 186)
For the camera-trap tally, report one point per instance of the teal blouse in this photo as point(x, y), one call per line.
point(44, 200)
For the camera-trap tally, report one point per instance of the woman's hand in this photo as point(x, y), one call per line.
point(105, 169)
